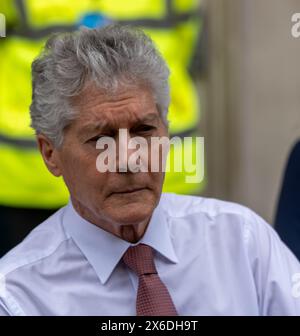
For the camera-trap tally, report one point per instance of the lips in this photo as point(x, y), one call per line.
point(128, 190)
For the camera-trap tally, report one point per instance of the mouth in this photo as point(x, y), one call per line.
point(129, 191)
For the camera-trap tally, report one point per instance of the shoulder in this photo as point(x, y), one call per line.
point(209, 213)
point(184, 205)
point(40, 243)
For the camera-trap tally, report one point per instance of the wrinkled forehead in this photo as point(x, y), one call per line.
point(125, 105)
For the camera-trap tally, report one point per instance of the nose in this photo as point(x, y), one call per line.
point(123, 151)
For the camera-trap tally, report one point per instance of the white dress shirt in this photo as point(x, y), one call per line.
point(215, 257)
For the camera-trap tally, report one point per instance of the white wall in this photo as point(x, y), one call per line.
point(252, 108)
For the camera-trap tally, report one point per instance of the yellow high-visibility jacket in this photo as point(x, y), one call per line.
point(173, 25)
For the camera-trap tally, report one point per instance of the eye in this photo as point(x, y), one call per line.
point(96, 138)
point(144, 129)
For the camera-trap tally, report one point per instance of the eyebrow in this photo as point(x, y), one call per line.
point(149, 117)
point(100, 125)
point(94, 126)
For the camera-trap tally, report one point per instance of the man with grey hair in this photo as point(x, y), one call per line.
point(121, 247)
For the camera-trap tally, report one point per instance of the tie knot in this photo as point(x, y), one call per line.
point(140, 259)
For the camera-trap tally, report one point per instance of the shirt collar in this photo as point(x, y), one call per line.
point(104, 250)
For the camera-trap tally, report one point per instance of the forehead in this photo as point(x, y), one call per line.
point(125, 105)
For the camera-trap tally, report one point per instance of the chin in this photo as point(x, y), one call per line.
point(133, 215)
point(131, 208)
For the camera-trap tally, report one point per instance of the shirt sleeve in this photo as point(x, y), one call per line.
point(276, 270)
point(3, 310)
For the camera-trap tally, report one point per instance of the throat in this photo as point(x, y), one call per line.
point(131, 233)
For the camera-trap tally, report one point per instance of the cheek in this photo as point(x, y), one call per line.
point(157, 158)
point(156, 181)
point(78, 166)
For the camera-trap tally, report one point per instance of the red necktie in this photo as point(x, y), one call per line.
point(153, 298)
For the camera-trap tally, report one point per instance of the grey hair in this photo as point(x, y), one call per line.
point(111, 57)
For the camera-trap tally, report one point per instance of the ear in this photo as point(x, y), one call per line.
point(49, 154)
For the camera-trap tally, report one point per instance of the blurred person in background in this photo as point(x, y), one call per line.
point(287, 218)
point(28, 194)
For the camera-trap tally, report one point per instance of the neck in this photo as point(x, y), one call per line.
point(132, 233)
point(129, 232)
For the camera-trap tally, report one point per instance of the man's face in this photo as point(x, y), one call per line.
point(111, 198)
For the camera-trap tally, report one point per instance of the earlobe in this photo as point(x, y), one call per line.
point(49, 154)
